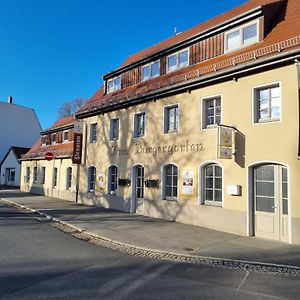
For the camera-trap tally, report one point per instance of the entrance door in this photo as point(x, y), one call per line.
point(271, 202)
point(138, 192)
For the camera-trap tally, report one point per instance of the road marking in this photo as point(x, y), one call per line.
point(244, 279)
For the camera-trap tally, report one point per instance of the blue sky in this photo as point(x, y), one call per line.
point(53, 51)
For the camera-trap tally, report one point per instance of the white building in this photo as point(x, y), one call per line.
point(11, 166)
point(19, 126)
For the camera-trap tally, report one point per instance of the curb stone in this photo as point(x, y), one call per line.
point(259, 267)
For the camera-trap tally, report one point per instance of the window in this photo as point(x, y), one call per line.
point(171, 119)
point(242, 36)
point(35, 175)
point(93, 133)
point(91, 179)
point(212, 193)
point(55, 178)
point(69, 178)
point(65, 136)
point(211, 108)
point(150, 70)
point(44, 140)
point(177, 60)
point(139, 124)
point(43, 175)
point(27, 177)
point(53, 138)
point(114, 84)
point(114, 129)
point(267, 103)
point(170, 182)
point(112, 179)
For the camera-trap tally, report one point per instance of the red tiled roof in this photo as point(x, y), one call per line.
point(284, 36)
point(38, 151)
point(63, 122)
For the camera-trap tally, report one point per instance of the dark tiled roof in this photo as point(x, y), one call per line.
point(19, 151)
point(283, 37)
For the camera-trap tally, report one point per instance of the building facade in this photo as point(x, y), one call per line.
point(203, 128)
point(47, 168)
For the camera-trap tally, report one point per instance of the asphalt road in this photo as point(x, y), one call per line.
point(39, 262)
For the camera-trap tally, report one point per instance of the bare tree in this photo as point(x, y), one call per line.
point(69, 108)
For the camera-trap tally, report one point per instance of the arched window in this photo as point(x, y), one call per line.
point(212, 185)
point(112, 179)
point(170, 182)
point(91, 179)
point(69, 178)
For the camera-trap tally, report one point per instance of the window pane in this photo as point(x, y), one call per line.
point(265, 189)
point(250, 34)
point(174, 191)
point(209, 195)
point(265, 173)
point(145, 73)
point(275, 112)
point(218, 171)
point(155, 69)
point(284, 190)
point(218, 195)
point(117, 83)
point(264, 114)
point(275, 92)
point(233, 40)
point(209, 171)
point(209, 182)
point(183, 59)
point(284, 174)
point(218, 183)
point(172, 62)
point(285, 209)
point(264, 104)
point(110, 86)
point(265, 204)
point(263, 94)
point(275, 102)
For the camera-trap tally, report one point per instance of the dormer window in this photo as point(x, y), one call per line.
point(150, 70)
point(178, 60)
point(242, 36)
point(44, 140)
point(65, 136)
point(53, 138)
point(114, 84)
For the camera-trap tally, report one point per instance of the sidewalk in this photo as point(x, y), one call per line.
point(156, 234)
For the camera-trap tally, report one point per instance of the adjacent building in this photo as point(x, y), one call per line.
point(11, 166)
point(47, 167)
point(19, 126)
point(202, 128)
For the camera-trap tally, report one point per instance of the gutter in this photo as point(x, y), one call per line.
point(234, 72)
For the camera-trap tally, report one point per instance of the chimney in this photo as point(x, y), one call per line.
point(10, 99)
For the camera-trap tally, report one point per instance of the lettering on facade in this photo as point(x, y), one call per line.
point(170, 149)
point(116, 151)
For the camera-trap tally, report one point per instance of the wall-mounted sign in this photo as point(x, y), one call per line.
point(188, 187)
point(116, 151)
point(49, 156)
point(225, 142)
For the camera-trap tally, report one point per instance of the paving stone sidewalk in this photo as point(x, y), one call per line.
point(160, 236)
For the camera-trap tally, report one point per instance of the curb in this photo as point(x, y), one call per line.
point(251, 266)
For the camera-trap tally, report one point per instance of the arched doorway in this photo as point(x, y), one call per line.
point(138, 175)
point(270, 201)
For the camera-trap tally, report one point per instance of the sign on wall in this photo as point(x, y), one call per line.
point(225, 142)
point(77, 146)
point(188, 187)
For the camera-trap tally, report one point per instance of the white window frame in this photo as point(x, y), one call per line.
point(69, 177)
point(63, 136)
point(55, 177)
point(93, 133)
point(43, 174)
point(163, 182)
point(44, 143)
point(255, 89)
point(109, 181)
point(135, 133)
point(151, 74)
point(89, 190)
point(27, 176)
point(35, 174)
point(53, 134)
point(203, 111)
point(115, 87)
point(177, 60)
point(240, 29)
point(202, 185)
point(166, 110)
point(111, 137)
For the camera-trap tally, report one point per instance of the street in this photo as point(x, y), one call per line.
point(40, 262)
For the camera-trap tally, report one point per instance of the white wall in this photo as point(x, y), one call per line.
point(19, 126)
point(11, 162)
